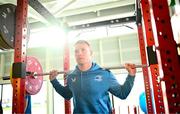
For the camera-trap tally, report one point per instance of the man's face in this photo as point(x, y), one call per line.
point(83, 54)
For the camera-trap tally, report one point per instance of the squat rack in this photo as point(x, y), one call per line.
point(164, 58)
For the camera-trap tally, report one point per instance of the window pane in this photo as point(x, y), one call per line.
point(121, 106)
point(7, 99)
point(38, 101)
point(59, 102)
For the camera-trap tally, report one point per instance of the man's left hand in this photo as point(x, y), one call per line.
point(131, 68)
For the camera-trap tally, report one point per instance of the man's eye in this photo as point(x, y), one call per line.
point(83, 50)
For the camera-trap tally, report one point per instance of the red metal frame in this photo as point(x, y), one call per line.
point(67, 103)
point(18, 84)
point(157, 89)
point(168, 54)
point(145, 70)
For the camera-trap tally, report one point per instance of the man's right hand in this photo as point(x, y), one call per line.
point(53, 74)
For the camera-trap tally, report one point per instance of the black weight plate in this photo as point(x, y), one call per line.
point(1, 47)
point(3, 44)
point(7, 23)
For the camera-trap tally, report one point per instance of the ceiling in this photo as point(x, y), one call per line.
point(77, 12)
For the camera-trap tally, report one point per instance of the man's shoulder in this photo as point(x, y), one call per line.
point(105, 69)
point(71, 73)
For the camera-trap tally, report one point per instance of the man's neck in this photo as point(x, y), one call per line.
point(85, 67)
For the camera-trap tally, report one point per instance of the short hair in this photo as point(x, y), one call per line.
point(82, 42)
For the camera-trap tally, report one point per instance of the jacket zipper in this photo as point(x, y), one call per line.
point(81, 84)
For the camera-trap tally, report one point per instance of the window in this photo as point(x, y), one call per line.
point(6, 91)
point(121, 106)
point(59, 102)
point(38, 101)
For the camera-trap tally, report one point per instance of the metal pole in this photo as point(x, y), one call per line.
point(110, 68)
point(122, 67)
point(18, 82)
point(65, 72)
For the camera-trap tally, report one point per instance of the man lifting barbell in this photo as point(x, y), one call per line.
point(89, 84)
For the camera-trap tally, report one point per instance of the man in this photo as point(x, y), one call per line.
point(89, 84)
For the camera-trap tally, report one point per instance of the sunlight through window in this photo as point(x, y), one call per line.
point(49, 37)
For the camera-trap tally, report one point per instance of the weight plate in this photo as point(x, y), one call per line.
point(7, 23)
point(3, 44)
point(33, 83)
point(7, 26)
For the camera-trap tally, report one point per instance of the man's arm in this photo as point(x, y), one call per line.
point(64, 91)
point(121, 91)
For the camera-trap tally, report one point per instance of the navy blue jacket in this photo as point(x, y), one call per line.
point(90, 89)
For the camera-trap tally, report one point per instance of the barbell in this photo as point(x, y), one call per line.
point(34, 74)
point(63, 72)
point(29, 73)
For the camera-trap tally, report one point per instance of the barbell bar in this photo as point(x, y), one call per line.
point(63, 72)
point(122, 66)
point(34, 74)
point(109, 68)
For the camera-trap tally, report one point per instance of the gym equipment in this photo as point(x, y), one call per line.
point(33, 84)
point(7, 26)
point(29, 73)
point(34, 74)
point(110, 68)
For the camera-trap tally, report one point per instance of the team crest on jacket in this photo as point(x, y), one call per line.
point(73, 79)
point(98, 78)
